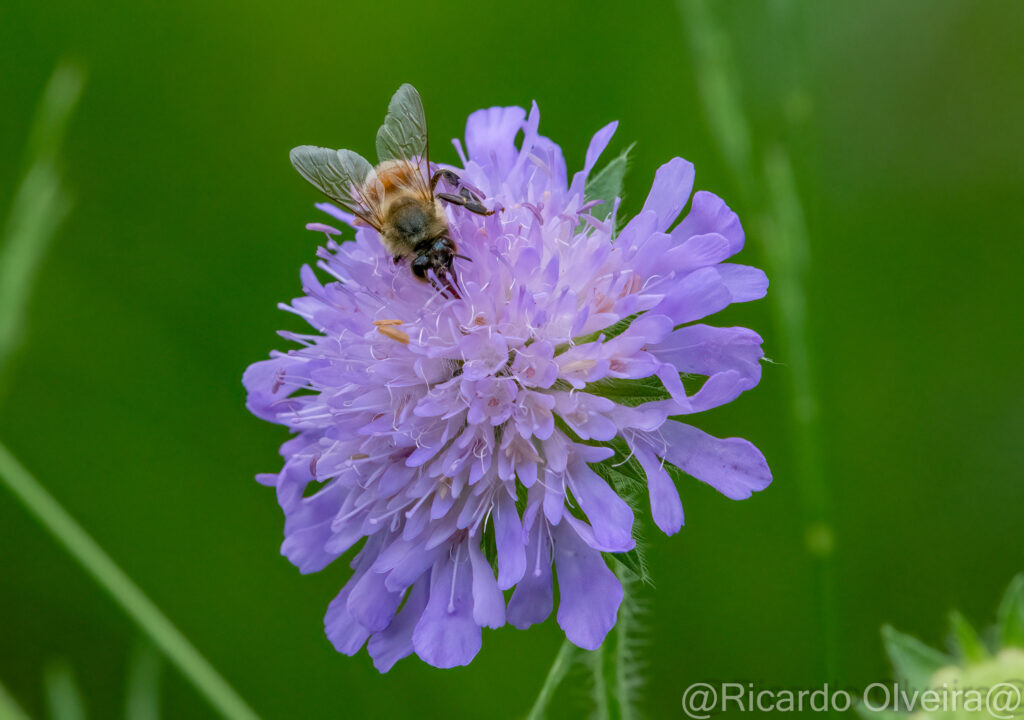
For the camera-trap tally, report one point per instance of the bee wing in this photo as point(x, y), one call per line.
point(338, 174)
point(403, 136)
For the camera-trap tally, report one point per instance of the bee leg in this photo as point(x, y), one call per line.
point(469, 197)
point(449, 286)
point(473, 204)
point(466, 200)
point(398, 259)
point(447, 175)
point(443, 284)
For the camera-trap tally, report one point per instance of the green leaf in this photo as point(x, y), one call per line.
point(912, 660)
point(1011, 615)
point(968, 643)
point(607, 184)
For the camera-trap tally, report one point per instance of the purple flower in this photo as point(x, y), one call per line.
point(464, 441)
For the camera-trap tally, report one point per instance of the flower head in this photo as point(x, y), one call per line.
point(461, 439)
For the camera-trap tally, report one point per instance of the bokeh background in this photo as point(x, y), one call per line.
point(902, 124)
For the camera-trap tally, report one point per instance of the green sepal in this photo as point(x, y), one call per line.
point(631, 487)
point(1010, 628)
point(635, 562)
point(606, 185)
point(609, 332)
point(965, 637)
point(912, 660)
point(630, 392)
point(626, 477)
point(489, 545)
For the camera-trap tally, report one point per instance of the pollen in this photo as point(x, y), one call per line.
point(384, 323)
point(393, 333)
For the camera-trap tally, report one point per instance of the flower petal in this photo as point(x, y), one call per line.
point(745, 283)
point(446, 634)
point(709, 214)
point(694, 296)
point(697, 252)
point(395, 642)
point(666, 507)
point(730, 357)
point(508, 537)
point(488, 602)
point(732, 466)
point(589, 593)
point(532, 600)
point(490, 137)
point(673, 182)
point(597, 145)
point(609, 515)
point(371, 603)
point(346, 635)
point(308, 528)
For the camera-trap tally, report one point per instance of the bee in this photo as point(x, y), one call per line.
point(396, 198)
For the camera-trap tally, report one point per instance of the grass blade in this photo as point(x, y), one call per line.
point(771, 190)
point(161, 631)
point(62, 695)
point(142, 697)
point(563, 661)
point(9, 707)
point(39, 206)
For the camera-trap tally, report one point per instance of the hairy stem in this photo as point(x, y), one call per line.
point(614, 663)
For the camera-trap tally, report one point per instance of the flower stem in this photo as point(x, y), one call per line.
point(122, 589)
point(563, 661)
point(627, 673)
point(602, 663)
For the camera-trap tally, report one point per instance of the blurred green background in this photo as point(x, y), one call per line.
point(903, 125)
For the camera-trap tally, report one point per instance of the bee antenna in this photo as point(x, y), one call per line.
point(459, 255)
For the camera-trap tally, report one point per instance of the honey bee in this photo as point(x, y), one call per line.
point(396, 198)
